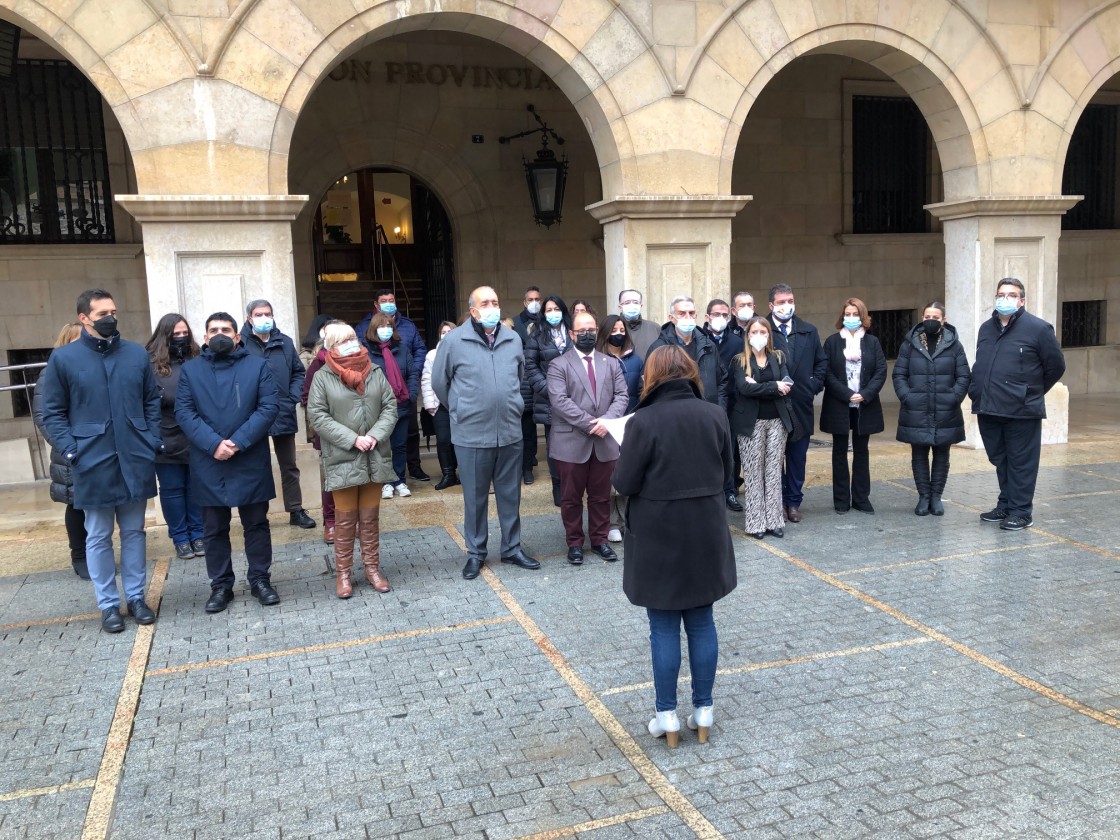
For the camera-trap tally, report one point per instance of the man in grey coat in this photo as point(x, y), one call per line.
point(477, 375)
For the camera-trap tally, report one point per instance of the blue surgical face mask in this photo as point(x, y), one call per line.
point(1006, 306)
point(489, 316)
point(553, 318)
point(685, 326)
point(852, 324)
point(388, 308)
point(632, 311)
point(262, 324)
point(384, 333)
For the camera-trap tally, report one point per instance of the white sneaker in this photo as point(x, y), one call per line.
point(402, 490)
point(701, 720)
point(387, 491)
point(667, 724)
point(614, 535)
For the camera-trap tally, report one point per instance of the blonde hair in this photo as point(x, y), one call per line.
point(337, 332)
point(68, 333)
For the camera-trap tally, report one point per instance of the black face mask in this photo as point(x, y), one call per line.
point(616, 340)
point(586, 343)
point(221, 344)
point(105, 327)
point(179, 346)
point(932, 327)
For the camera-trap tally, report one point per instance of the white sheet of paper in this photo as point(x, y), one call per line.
point(616, 427)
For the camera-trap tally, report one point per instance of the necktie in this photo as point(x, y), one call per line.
point(785, 330)
point(591, 376)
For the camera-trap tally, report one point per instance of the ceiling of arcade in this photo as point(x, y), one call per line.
point(208, 91)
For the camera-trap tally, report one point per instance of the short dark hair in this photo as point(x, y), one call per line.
point(256, 304)
point(641, 297)
point(380, 293)
point(221, 316)
point(716, 302)
point(780, 289)
point(86, 299)
point(536, 289)
point(1006, 281)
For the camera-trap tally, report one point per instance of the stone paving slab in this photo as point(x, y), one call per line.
point(58, 816)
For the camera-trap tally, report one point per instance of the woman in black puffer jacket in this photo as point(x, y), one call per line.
point(62, 480)
point(931, 378)
point(545, 342)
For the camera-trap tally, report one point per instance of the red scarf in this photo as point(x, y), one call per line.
point(393, 373)
point(352, 370)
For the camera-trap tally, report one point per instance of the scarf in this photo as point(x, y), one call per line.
point(851, 343)
point(393, 373)
point(352, 370)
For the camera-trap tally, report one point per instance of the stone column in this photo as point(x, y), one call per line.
point(987, 239)
point(664, 246)
point(207, 254)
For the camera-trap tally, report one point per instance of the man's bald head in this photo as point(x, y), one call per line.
point(482, 296)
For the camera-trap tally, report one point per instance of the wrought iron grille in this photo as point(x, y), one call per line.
point(890, 326)
point(54, 175)
point(1091, 170)
point(890, 165)
point(438, 259)
point(1082, 323)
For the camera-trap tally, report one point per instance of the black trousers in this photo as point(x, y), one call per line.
point(412, 445)
point(258, 543)
point(76, 533)
point(445, 451)
point(528, 440)
point(1013, 447)
point(285, 448)
point(856, 489)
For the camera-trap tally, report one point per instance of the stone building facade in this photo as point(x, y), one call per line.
point(712, 147)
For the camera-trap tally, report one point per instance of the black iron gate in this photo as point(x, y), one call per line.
point(433, 235)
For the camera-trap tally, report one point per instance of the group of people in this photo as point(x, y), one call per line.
point(695, 405)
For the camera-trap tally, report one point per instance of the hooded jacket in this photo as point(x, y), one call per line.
point(931, 383)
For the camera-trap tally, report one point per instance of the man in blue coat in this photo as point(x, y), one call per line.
point(719, 327)
point(226, 403)
point(261, 337)
point(801, 344)
point(101, 409)
point(385, 301)
point(1018, 359)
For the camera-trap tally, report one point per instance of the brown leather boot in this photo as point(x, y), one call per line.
point(345, 528)
point(369, 535)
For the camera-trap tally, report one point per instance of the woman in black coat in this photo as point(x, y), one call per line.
point(388, 352)
point(62, 477)
point(931, 378)
point(675, 462)
point(546, 341)
point(857, 371)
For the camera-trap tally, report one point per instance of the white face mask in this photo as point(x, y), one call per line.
point(784, 312)
point(759, 342)
point(718, 322)
point(349, 348)
point(533, 307)
point(745, 313)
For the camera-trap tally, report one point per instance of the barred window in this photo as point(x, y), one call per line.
point(54, 175)
point(891, 157)
point(1082, 323)
point(1091, 170)
point(890, 327)
point(20, 377)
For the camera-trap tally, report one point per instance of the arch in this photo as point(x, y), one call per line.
point(949, 112)
point(492, 20)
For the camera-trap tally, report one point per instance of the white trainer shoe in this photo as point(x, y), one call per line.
point(402, 490)
point(614, 535)
point(667, 724)
point(387, 491)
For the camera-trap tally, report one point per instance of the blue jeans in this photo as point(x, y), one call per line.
point(183, 515)
point(665, 645)
point(399, 441)
point(99, 552)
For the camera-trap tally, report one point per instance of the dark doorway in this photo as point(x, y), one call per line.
point(383, 229)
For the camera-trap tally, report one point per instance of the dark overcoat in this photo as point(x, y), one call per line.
point(287, 373)
point(748, 395)
point(712, 374)
point(176, 447)
point(406, 329)
point(1015, 367)
point(231, 397)
point(806, 362)
point(101, 410)
point(835, 412)
point(676, 458)
point(540, 350)
point(931, 384)
point(402, 355)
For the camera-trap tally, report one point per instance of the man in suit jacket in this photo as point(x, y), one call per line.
point(585, 387)
point(801, 344)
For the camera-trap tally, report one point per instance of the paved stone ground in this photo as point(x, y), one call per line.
point(882, 676)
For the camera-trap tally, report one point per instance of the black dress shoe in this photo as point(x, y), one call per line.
point(263, 592)
point(141, 612)
point(520, 558)
point(575, 555)
point(527, 476)
point(300, 519)
point(777, 532)
point(111, 621)
point(473, 567)
point(733, 503)
point(419, 474)
point(758, 534)
point(840, 508)
point(219, 600)
point(863, 507)
point(605, 551)
point(199, 548)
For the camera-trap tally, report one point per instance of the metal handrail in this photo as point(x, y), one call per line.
point(27, 388)
point(381, 246)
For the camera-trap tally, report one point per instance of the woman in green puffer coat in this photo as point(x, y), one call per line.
point(352, 408)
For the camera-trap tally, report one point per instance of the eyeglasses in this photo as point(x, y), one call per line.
point(585, 332)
